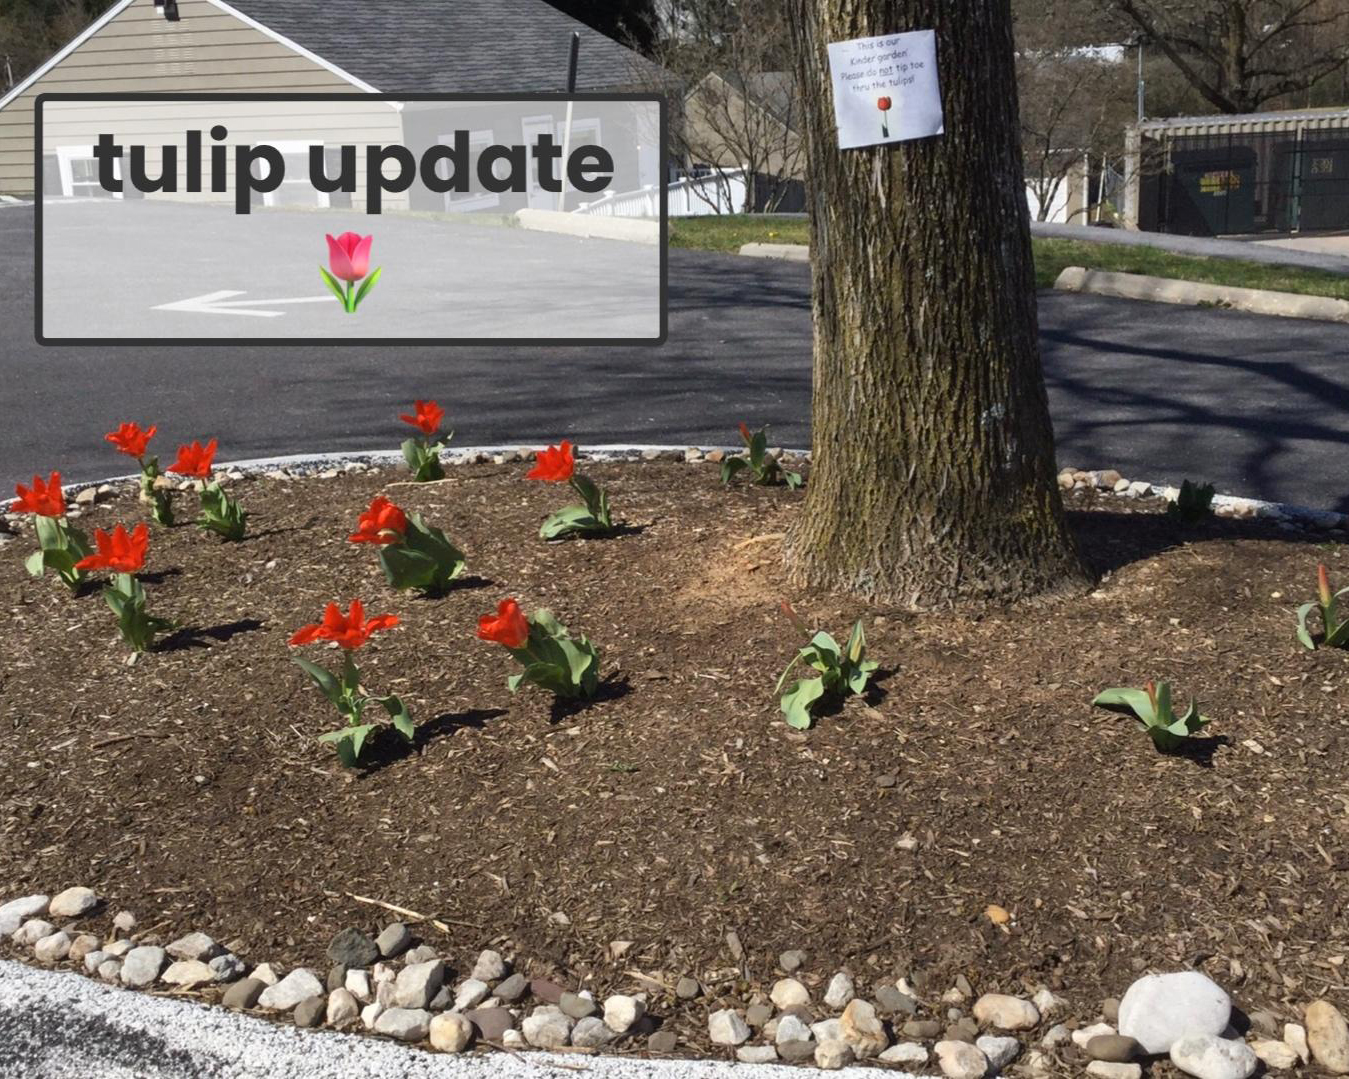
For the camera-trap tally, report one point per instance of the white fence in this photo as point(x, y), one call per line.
point(692, 196)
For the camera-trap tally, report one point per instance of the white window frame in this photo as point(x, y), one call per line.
point(297, 146)
point(65, 158)
point(480, 200)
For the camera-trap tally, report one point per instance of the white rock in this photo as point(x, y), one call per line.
point(1105, 1069)
point(94, 960)
point(490, 967)
point(1275, 1054)
point(52, 948)
point(961, 1060)
point(228, 967)
point(81, 946)
point(450, 1033)
point(788, 993)
point(32, 931)
point(1207, 1056)
point(357, 983)
point(470, 993)
point(1000, 1051)
point(726, 1027)
point(370, 1014)
point(1160, 1008)
point(266, 973)
point(1085, 1034)
point(1046, 1003)
point(756, 1054)
point(142, 965)
point(300, 984)
point(1328, 1036)
point(418, 984)
point(840, 990)
point(833, 1054)
point(827, 1030)
point(342, 1008)
point(17, 911)
point(1295, 1034)
point(405, 1024)
point(188, 974)
point(621, 1012)
point(1005, 1012)
point(904, 1053)
point(124, 922)
point(862, 1029)
point(110, 970)
point(194, 946)
point(72, 903)
point(547, 1027)
point(118, 948)
point(791, 1029)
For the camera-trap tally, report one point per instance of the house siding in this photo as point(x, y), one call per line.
point(207, 51)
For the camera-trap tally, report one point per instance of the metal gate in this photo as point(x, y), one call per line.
point(1240, 182)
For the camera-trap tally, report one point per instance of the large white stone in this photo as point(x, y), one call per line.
point(1159, 1009)
point(961, 1060)
point(726, 1027)
point(1005, 1012)
point(1206, 1056)
point(298, 985)
point(17, 911)
point(72, 903)
point(788, 993)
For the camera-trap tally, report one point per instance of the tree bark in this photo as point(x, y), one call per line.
point(933, 479)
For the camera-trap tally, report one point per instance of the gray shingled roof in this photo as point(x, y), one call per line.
point(453, 46)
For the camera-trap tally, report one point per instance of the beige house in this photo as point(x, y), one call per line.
point(302, 46)
point(749, 124)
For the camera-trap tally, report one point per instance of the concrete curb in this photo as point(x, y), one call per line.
point(591, 226)
point(58, 1025)
point(789, 252)
point(300, 465)
point(1168, 290)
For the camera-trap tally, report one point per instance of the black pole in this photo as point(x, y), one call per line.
point(571, 64)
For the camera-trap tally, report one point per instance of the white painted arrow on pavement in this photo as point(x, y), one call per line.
point(219, 303)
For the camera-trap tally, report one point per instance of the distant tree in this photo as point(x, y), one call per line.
point(632, 22)
point(1240, 55)
point(31, 30)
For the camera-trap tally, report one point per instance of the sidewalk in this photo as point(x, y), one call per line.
point(1198, 245)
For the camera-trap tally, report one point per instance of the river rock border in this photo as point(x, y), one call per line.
point(1108, 482)
point(394, 985)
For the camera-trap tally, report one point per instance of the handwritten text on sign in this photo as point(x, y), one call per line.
point(886, 88)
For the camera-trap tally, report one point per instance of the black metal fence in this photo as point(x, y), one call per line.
point(1239, 182)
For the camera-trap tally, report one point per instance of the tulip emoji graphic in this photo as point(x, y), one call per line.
point(349, 262)
point(883, 103)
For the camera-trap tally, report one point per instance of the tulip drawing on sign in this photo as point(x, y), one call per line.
point(883, 103)
point(349, 262)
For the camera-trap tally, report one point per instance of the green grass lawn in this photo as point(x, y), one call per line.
point(729, 232)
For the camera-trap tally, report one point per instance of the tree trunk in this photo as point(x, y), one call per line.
point(933, 478)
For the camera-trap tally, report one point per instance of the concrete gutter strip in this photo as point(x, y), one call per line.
point(1202, 246)
point(633, 230)
point(1167, 290)
point(58, 1025)
point(790, 252)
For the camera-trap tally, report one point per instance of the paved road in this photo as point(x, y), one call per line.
point(1258, 406)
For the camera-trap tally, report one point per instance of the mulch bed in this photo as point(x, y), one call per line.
point(189, 787)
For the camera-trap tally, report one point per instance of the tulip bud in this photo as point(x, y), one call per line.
point(1323, 584)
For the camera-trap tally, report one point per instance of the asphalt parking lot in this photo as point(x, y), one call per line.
point(1258, 406)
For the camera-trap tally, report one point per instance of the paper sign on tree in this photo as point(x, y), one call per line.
point(886, 88)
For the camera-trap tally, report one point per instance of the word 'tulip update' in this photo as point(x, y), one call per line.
point(442, 167)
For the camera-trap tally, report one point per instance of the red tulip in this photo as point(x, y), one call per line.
point(349, 256)
point(883, 103)
point(44, 499)
point(130, 439)
point(383, 522)
point(426, 418)
point(121, 552)
point(350, 630)
point(1322, 584)
point(509, 627)
point(554, 465)
point(744, 433)
point(194, 460)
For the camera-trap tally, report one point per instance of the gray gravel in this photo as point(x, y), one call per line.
point(56, 1025)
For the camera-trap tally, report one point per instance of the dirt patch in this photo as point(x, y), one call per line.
point(189, 787)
